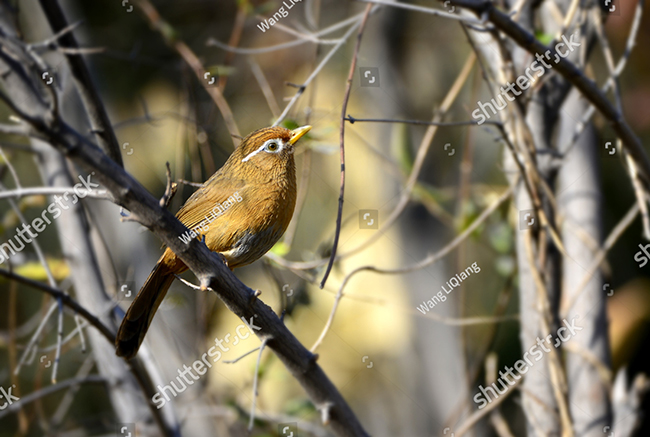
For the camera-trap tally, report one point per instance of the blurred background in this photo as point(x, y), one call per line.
point(403, 372)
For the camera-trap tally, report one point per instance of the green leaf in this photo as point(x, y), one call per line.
point(221, 70)
point(401, 147)
point(280, 248)
point(544, 38)
point(35, 270)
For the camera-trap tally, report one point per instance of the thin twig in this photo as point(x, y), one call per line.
point(243, 356)
point(163, 27)
point(59, 342)
point(12, 170)
point(35, 337)
point(72, 334)
point(265, 87)
point(235, 36)
point(353, 120)
point(80, 326)
point(479, 414)
point(302, 39)
point(14, 129)
point(255, 379)
point(46, 191)
point(258, 51)
point(190, 183)
point(344, 108)
point(170, 189)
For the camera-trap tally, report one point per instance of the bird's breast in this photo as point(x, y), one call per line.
point(257, 223)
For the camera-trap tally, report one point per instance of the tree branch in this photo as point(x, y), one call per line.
point(97, 116)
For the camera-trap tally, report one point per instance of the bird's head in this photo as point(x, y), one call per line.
point(269, 150)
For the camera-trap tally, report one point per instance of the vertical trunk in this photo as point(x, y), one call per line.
point(579, 202)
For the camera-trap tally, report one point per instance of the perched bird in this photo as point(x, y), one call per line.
point(241, 211)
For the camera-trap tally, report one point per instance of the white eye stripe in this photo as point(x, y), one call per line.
point(278, 141)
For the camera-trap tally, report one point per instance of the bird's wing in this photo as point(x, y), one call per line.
point(213, 202)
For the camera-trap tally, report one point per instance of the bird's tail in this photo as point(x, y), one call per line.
point(138, 318)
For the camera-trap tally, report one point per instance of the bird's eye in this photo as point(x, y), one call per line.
point(272, 147)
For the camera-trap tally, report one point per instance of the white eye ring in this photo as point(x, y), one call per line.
point(278, 146)
point(265, 147)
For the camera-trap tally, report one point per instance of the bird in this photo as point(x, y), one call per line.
point(241, 211)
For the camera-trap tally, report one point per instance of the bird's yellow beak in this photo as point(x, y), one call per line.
point(297, 133)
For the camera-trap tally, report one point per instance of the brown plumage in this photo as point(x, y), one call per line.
point(242, 211)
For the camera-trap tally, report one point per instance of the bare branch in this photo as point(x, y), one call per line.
point(163, 27)
point(93, 104)
point(344, 108)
